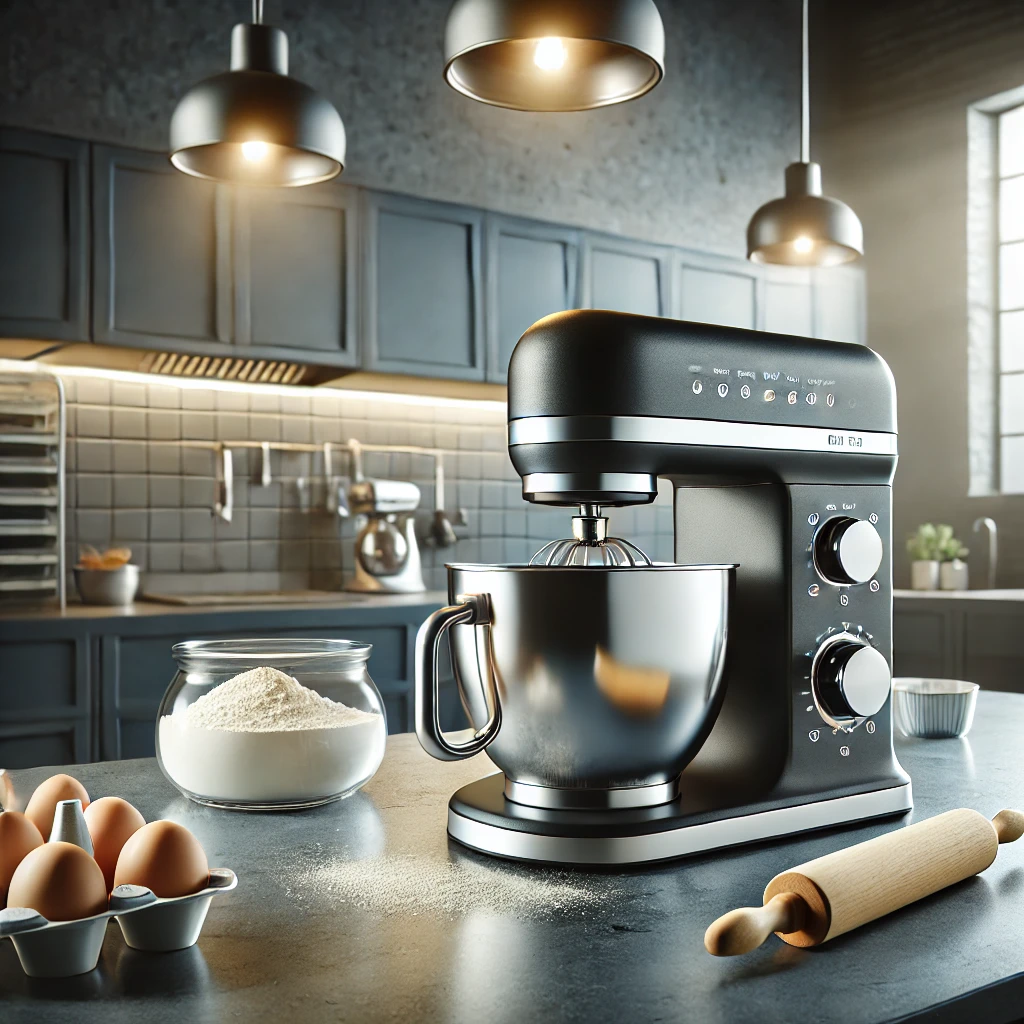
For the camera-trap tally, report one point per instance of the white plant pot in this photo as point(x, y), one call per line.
point(953, 575)
point(924, 575)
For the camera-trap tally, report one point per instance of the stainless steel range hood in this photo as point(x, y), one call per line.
point(229, 367)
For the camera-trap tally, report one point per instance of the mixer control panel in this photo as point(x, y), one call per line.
point(842, 632)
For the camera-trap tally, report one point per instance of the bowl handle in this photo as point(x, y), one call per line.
point(472, 609)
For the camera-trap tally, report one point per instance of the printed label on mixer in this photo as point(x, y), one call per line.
point(844, 751)
point(869, 726)
point(814, 735)
point(845, 441)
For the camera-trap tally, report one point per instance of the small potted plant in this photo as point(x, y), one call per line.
point(923, 548)
point(936, 559)
point(952, 567)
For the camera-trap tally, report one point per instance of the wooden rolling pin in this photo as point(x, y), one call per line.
point(823, 898)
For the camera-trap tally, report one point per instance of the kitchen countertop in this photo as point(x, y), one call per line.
point(963, 595)
point(329, 922)
point(151, 609)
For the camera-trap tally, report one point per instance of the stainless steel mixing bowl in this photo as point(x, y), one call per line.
point(588, 686)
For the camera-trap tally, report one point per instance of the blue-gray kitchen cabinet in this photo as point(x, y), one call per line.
point(44, 236)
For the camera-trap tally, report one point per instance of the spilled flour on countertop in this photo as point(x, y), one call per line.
point(417, 884)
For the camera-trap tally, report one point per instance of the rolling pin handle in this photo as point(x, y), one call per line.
point(743, 930)
point(1009, 825)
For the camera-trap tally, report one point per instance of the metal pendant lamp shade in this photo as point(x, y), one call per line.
point(551, 55)
point(804, 228)
point(254, 124)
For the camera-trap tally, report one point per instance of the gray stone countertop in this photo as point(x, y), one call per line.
point(363, 910)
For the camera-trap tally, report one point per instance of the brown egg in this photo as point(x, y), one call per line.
point(43, 805)
point(18, 838)
point(60, 881)
point(165, 857)
point(111, 821)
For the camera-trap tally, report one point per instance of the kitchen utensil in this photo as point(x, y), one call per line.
point(589, 687)
point(256, 762)
point(781, 453)
point(107, 586)
point(590, 545)
point(61, 949)
point(832, 895)
point(933, 708)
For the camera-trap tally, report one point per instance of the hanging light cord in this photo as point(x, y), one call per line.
point(805, 97)
point(257, 15)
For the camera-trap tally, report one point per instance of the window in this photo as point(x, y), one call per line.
point(1010, 296)
point(995, 229)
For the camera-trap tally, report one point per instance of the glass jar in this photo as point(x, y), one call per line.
point(270, 724)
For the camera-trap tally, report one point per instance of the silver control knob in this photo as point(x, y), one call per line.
point(847, 550)
point(849, 679)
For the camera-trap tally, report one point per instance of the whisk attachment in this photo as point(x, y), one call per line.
point(590, 545)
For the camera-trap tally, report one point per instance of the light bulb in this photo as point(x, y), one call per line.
point(254, 151)
point(803, 244)
point(550, 54)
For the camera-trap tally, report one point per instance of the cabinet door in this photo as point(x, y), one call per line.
point(839, 312)
point(45, 703)
point(44, 236)
point(718, 291)
point(296, 260)
point(788, 303)
point(531, 272)
point(632, 277)
point(423, 297)
point(161, 254)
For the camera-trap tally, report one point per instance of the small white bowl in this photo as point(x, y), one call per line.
point(934, 708)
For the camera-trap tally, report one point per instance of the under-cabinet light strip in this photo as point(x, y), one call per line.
point(214, 384)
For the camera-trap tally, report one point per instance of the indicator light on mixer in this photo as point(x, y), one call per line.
point(769, 395)
point(791, 398)
point(723, 390)
point(745, 391)
point(697, 387)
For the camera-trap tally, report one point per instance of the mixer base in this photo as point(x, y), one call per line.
point(482, 818)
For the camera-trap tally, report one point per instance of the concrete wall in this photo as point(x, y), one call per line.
point(687, 164)
point(894, 81)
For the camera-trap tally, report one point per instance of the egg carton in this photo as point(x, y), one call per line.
point(60, 949)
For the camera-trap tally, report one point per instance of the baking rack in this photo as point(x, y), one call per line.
point(33, 433)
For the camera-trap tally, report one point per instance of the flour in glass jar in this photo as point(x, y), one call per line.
point(263, 736)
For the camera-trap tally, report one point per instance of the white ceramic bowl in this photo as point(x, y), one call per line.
point(934, 708)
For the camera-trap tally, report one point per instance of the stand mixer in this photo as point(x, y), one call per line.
point(641, 711)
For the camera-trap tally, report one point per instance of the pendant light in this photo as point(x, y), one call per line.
point(804, 228)
point(254, 124)
point(550, 55)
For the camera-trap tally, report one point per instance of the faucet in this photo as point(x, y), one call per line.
point(990, 525)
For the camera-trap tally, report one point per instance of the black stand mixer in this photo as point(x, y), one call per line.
point(643, 711)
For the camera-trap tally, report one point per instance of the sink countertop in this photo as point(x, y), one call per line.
point(341, 914)
point(963, 595)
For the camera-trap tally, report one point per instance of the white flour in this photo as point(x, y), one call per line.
point(412, 883)
point(263, 736)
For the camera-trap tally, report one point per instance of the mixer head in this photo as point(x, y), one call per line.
point(591, 545)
